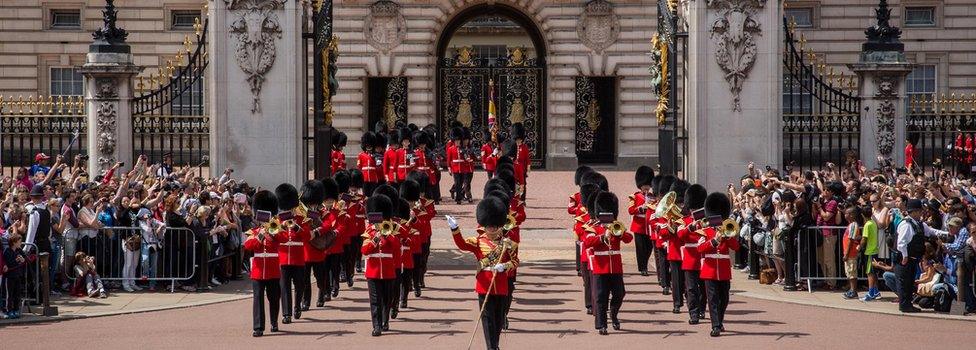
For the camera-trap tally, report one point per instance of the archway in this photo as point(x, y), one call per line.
point(495, 47)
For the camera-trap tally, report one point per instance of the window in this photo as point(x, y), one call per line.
point(183, 19)
point(796, 96)
point(802, 16)
point(920, 16)
point(66, 82)
point(66, 19)
point(490, 53)
point(190, 102)
point(920, 84)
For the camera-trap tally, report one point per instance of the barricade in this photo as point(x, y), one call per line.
point(173, 259)
point(811, 265)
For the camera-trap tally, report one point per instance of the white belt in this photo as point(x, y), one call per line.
point(380, 255)
point(457, 161)
point(691, 245)
point(403, 166)
point(293, 243)
point(360, 216)
point(265, 255)
point(717, 256)
point(607, 252)
point(402, 248)
point(422, 168)
point(639, 215)
point(369, 167)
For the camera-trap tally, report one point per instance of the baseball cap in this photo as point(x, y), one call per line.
point(955, 222)
point(41, 156)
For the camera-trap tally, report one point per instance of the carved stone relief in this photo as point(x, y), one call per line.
point(105, 119)
point(598, 26)
point(255, 30)
point(385, 27)
point(105, 88)
point(733, 33)
point(888, 94)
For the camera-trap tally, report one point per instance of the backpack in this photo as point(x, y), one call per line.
point(942, 299)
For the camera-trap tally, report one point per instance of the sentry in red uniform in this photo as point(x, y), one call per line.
point(716, 263)
point(264, 263)
point(338, 161)
point(488, 158)
point(405, 163)
point(675, 245)
point(291, 251)
point(380, 258)
point(638, 209)
point(605, 258)
point(690, 257)
point(482, 247)
point(454, 160)
point(390, 162)
point(367, 165)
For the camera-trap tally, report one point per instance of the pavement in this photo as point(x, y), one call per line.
point(546, 314)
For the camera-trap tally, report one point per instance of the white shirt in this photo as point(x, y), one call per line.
point(906, 233)
point(84, 215)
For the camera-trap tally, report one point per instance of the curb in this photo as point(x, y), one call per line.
point(930, 316)
point(59, 318)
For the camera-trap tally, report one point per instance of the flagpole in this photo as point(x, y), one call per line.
point(492, 126)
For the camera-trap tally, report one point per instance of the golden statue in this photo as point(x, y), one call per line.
point(516, 57)
point(593, 115)
point(516, 112)
point(465, 56)
point(389, 114)
point(464, 113)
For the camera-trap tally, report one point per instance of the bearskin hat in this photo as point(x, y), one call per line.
point(421, 178)
point(718, 204)
point(503, 159)
point(695, 197)
point(580, 171)
point(465, 134)
point(413, 127)
point(492, 212)
point(509, 179)
point(590, 200)
point(330, 189)
point(402, 210)
point(380, 127)
point(597, 179)
point(495, 181)
point(368, 140)
point(393, 138)
point(404, 134)
point(420, 138)
point(379, 140)
point(679, 187)
point(266, 201)
point(655, 182)
point(387, 191)
point(340, 140)
point(380, 204)
point(510, 149)
point(505, 166)
point(342, 180)
point(518, 131)
point(456, 124)
point(500, 195)
point(313, 192)
point(287, 196)
point(665, 185)
point(606, 202)
point(498, 188)
point(456, 133)
point(355, 178)
point(410, 190)
point(643, 176)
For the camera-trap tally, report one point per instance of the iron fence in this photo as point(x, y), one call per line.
point(823, 259)
point(174, 259)
point(48, 125)
point(943, 132)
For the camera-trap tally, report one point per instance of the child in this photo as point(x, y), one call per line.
point(851, 243)
point(87, 280)
point(869, 245)
point(14, 263)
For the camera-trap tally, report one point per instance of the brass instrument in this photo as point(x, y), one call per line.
point(273, 227)
point(728, 229)
point(616, 228)
point(385, 228)
point(666, 208)
point(510, 222)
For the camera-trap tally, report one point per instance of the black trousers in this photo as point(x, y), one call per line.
point(511, 295)
point(292, 275)
point(333, 266)
point(905, 275)
point(492, 318)
point(644, 247)
point(663, 268)
point(610, 291)
point(356, 257)
point(696, 293)
point(318, 269)
point(419, 267)
point(718, 301)
point(579, 268)
point(405, 286)
point(677, 284)
point(587, 286)
point(14, 286)
point(426, 259)
point(380, 300)
point(349, 257)
point(462, 185)
point(272, 290)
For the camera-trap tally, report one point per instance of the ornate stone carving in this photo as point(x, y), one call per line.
point(385, 27)
point(733, 33)
point(105, 127)
point(598, 26)
point(887, 94)
point(105, 88)
point(255, 30)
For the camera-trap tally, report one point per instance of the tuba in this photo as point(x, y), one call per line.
point(666, 208)
point(728, 229)
point(510, 222)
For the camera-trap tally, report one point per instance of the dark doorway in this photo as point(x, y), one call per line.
point(596, 119)
point(387, 101)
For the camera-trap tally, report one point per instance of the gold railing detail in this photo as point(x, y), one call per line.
point(42, 105)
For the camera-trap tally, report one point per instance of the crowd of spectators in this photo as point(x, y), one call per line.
point(119, 230)
point(843, 224)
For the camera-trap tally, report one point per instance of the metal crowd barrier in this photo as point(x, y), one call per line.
point(812, 267)
point(31, 288)
point(176, 258)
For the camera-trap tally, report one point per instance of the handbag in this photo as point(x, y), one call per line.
point(133, 242)
point(323, 240)
point(767, 276)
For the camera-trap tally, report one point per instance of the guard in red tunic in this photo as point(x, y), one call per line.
point(522, 161)
point(312, 194)
point(390, 160)
point(422, 210)
point(496, 256)
point(339, 251)
point(406, 159)
point(291, 252)
point(574, 210)
point(605, 239)
point(489, 156)
point(366, 163)
point(262, 240)
point(639, 208)
point(690, 258)
point(354, 225)
point(423, 163)
point(674, 247)
point(660, 245)
point(716, 265)
point(583, 220)
point(467, 153)
point(381, 248)
point(357, 211)
point(454, 160)
point(338, 156)
point(410, 240)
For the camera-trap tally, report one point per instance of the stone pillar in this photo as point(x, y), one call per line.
point(734, 103)
point(108, 74)
point(258, 93)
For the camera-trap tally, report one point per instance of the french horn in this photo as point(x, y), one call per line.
point(666, 208)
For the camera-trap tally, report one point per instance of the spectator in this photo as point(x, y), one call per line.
point(87, 280)
point(40, 165)
point(851, 247)
point(869, 245)
point(14, 262)
point(152, 232)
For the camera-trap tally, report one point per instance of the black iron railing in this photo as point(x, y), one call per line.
point(48, 125)
point(943, 131)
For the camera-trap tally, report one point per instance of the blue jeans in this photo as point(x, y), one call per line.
point(149, 261)
point(890, 281)
point(54, 264)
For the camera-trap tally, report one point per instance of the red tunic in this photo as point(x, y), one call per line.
point(605, 257)
point(423, 164)
point(716, 264)
point(338, 161)
point(522, 163)
point(405, 235)
point(655, 225)
point(574, 204)
point(291, 252)
point(690, 257)
point(637, 208)
point(517, 208)
point(367, 165)
point(424, 216)
point(488, 159)
point(390, 162)
point(264, 264)
point(482, 247)
point(467, 165)
point(675, 244)
point(453, 159)
point(580, 233)
point(345, 227)
point(405, 164)
point(356, 213)
point(380, 259)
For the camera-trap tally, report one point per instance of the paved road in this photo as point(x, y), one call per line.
point(547, 312)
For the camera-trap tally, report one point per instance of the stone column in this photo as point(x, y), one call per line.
point(257, 71)
point(733, 97)
point(108, 74)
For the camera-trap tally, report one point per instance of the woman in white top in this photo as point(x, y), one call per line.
point(882, 217)
point(89, 225)
point(152, 234)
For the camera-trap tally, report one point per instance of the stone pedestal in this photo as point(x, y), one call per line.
point(882, 110)
point(258, 91)
point(733, 89)
point(108, 93)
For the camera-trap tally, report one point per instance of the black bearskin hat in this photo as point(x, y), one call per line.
point(413, 127)
point(505, 166)
point(606, 202)
point(497, 188)
point(266, 201)
point(505, 160)
point(500, 195)
point(492, 212)
point(330, 189)
point(403, 209)
point(497, 182)
point(387, 191)
point(679, 187)
point(590, 200)
point(665, 185)
point(465, 134)
point(287, 196)
point(342, 180)
point(580, 171)
point(508, 177)
point(643, 176)
point(695, 197)
point(340, 140)
point(718, 204)
point(456, 133)
point(655, 182)
point(420, 138)
point(379, 140)
point(510, 149)
point(518, 131)
point(393, 138)
point(421, 178)
point(456, 124)
point(404, 134)
point(597, 179)
point(368, 140)
point(355, 178)
point(313, 192)
point(410, 190)
point(380, 204)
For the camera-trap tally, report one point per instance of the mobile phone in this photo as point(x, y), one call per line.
point(374, 217)
point(605, 218)
point(262, 216)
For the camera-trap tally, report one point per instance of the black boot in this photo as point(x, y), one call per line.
point(505, 324)
point(377, 332)
point(603, 331)
point(666, 291)
point(676, 310)
point(298, 314)
point(615, 323)
point(716, 332)
point(286, 320)
point(257, 334)
point(589, 311)
point(274, 328)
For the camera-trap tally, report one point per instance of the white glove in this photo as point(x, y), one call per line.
point(451, 222)
point(499, 268)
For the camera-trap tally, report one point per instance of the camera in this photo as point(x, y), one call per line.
point(83, 157)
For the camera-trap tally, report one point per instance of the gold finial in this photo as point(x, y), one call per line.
point(952, 102)
point(20, 104)
point(30, 104)
point(141, 85)
point(2, 104)
point(206, 7)
point(943, 102)
point(830, 76)
point(803, 42)
point(913, 102)
point(792, 24)
point(972, 102)
point(60, 104)
point(197, 27)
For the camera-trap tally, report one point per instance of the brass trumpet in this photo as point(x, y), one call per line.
point(273, 227)
point(729, 229)
point(616, 228)
point(385, 228)
point(666, 208)
point(510, 222)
